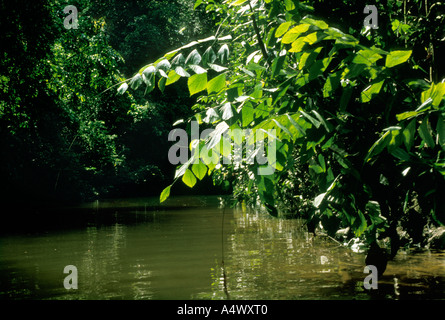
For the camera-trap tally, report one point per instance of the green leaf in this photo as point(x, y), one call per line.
point(223, 53)
point(308, 58)
point(289, 5)
point(180, 71)
point(322, 120)
point(163, 65)
point(367, 57)
point(319, 199)
point(425, 133)
point(197, 3)
point(317, 169)
point(197, 83)
point(179, 60)
point(209, 56)
point(314, 121)
point(401, 154)
point(322, 162)
point(395, 58)
point(217, 84)
point(172, 77)
point(193, 58)
point(295, 32)
point(247, 114)
point(408, 134)
point(318, 23)
point(277, 65)
point(148, 75)
point(379, 145)
point(441, 131)
point(200, 170)
point(161, 84)
point(197, 69)
point(136, 81)
point(216, 67)
point(331, 84)
point(282, 29)
point(165, 194)
point(189, 178)
point(227, 111)
point(237, 3)
point(122, 88)
point(371, 91)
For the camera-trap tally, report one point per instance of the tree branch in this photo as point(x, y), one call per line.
point(257, 31)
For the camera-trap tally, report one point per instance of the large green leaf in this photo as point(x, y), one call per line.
point(282, 29)
point(216, 84)
point(371, 91)
point(367, 57)
point(189, 178)
point(193, 58)
point(197, 69)
point(180, 71)
point(197, 83)
point(200, 170)
point(172, 77)
point(163, 65)
point(395, 58)
point(295, 32)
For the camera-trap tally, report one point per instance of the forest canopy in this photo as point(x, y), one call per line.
point(64, 136)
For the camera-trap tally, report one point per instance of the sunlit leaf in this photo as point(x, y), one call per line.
point(165, 194)
point(197, 83)
point(122, 88)
point(282, 29)
point(200, 170)
point(395, 58)
point(189, 178)
point(371, 91)
point(216, 84)
point(193, 58)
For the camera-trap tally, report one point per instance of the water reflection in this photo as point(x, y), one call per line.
point(269, 258)
point(132, 251)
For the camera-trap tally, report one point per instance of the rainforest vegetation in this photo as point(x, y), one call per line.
point(358, 110)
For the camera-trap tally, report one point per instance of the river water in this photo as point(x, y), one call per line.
point(192, 248)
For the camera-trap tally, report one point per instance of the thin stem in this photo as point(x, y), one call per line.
point(257, 31)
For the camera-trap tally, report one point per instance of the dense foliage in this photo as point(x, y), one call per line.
point(358, 112)
point(63, 134)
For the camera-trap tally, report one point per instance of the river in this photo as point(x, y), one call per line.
point(193, 248)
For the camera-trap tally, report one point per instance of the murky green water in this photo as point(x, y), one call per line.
point(126, 250)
